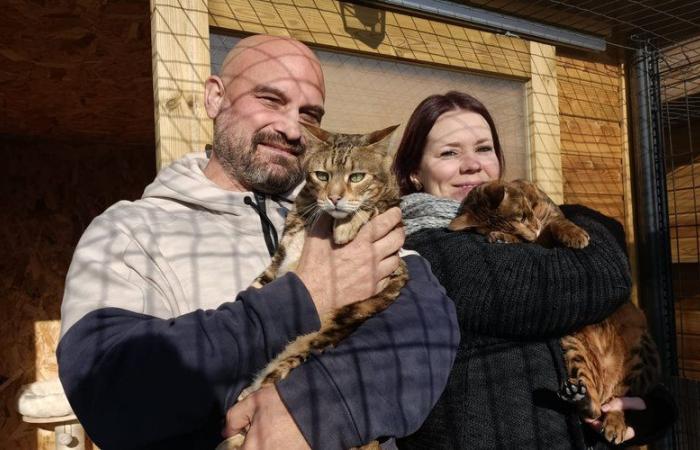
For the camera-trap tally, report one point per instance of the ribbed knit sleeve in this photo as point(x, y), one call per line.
point(526, 290)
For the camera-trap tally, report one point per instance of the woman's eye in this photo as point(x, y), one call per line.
point(485, 149)
point(322, 176)
point(357, 177)
point(448, 153)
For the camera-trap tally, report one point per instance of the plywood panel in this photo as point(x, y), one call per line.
point(355, 27)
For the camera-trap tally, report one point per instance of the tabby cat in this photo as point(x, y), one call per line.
point(613, 358)
point(349, 177)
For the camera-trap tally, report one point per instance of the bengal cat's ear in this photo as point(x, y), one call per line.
point(313, 133)
point(495, 193)
point(463, 221)
point(379, 140)
point(378, 136)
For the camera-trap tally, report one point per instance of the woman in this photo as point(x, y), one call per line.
point(513, 301)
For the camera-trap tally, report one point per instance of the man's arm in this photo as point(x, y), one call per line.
point(133, 374)
point(381, 381)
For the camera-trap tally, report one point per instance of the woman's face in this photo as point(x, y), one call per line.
point(458, 155)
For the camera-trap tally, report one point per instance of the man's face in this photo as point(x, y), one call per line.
point(257, 133)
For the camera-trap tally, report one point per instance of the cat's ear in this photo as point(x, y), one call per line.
point(378, 141)
point(463, 221)
point(313, 133)
point(382, 136)
point(495, 193)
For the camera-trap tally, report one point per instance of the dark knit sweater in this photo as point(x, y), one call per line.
point(514, 302)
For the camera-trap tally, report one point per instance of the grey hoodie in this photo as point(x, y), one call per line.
point(154, 349)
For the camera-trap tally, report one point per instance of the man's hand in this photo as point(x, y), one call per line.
point(267, 421)
point(619, 404)
point(338, 275)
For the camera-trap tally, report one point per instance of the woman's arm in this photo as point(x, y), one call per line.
point(526, 290)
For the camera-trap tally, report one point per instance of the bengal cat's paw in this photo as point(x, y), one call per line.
point(614, 427)
point(235, 442)
point(245, 393)
point(344, 233)
point(573, 391)
point(498, 237)
point(574, 237)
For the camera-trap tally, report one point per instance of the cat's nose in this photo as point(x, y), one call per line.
point(334, 199)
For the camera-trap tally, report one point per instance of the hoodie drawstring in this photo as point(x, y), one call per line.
point(269, 231)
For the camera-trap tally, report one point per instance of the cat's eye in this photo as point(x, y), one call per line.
point(356, 177)
point(322, 176)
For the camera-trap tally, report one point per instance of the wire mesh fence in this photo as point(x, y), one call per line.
point(679, 80)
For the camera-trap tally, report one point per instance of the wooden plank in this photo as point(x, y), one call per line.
point(543, 119)
point(591, 136)
point(684, 200)
point(688, 322)
point(592, 174)
point(180, 41)
point(611, 205)
point(688, 346)
point(348, 25)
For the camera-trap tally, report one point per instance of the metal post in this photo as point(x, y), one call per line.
point(651, 212)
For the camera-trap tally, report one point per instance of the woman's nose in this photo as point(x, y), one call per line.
point(470, 163)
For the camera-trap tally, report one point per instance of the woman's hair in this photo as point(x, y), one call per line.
point(410, 151)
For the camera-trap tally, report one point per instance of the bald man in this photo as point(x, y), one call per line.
point(160, 333)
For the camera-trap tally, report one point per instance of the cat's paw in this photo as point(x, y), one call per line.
point(570, 234)
point(573, 391)
point(614, 427)
point(344, 232)
point(498, 237)
point(235, 442)
point(576, 240)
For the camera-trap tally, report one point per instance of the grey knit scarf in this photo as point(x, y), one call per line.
point(421, 210)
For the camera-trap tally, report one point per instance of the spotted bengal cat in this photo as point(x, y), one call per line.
point(613, 358)
point(349, 177)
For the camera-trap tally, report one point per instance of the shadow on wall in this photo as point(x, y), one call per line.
point(49, 191)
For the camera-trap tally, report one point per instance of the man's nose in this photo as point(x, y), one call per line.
point(288, 125)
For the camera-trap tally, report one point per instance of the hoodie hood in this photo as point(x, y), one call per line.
point(185, 182)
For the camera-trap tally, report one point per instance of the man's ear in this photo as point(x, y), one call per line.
point(463, 221)
point(214, 95)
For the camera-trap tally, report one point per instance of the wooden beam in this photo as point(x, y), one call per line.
point(374, 31)
point(543, 120)
point(628, 192)
point(180, 41)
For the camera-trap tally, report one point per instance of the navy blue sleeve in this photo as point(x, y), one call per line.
point(135, 381)
point(384, 379)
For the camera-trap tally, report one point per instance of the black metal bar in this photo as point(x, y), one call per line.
point(651, 212)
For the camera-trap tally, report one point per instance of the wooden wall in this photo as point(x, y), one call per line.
point(50, 191)
point(591, 115)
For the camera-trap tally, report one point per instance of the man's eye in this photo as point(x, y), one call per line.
point(269, 99)
point(322, 176)
point(357, 177)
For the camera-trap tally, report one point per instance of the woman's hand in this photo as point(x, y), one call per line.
point(618, 404)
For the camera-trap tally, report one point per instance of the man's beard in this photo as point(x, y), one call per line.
point(242, 161)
